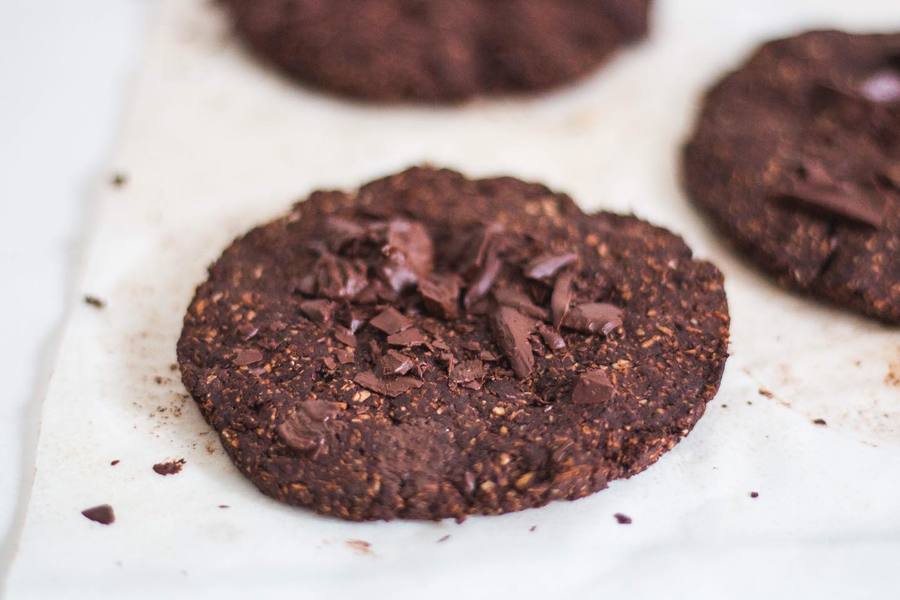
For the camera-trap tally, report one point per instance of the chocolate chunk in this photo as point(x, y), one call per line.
point(551, 337)
point(561, 297)
point(513, 298)
point(247, 356)
point(318, 311)
point(344, 355)
point(102, 514)
point(391, 387)
point(339, 279)
point(484, 280)
point(395, 363)
point(305, 429)
point(546, 266)
point(169, 467)
point(511, 330)
point(329, 363)
point(440, 294)
point(467, 371)
point(344, 336)
point(409, 254)
point(846, 201)
point(409, 337)
point(594, 317)
point(391, 321)
point(593, 387)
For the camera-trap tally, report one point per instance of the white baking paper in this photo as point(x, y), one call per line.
point(216, 144)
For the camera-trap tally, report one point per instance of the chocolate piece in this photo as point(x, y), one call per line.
point(511, 329)
point(438, 50)
point(546, 266)
point(409, 254)
point(391, 321)
point(318, 311)
point(561, 297)
point(593, 387)
point(247, 331)
point(594, 317)
point(484, 280)
point(247, 356)
point(409, 337)
point(169, 467)
point(515, 299)
point(795, 167)
point(392, 387)
point(459, 432)
point(395, 363)
point(338, 278)
point(102, 514)
point(440, 294)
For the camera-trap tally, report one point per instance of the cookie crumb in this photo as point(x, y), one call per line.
point(170, 467)
point(118, 180)
point(444, 539)
point(622, 519)
point(114, 462)
point(754, 494)
point(224, 506)
point(821, 422)
point(532, 528)
point(766, 393)
point(94, 301)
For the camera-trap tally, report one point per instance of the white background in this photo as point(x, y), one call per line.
point(65, 69)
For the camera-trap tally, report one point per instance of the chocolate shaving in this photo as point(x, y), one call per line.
point(392, 387)
point(249, 356)
point(511, 330)
point(593, 387)
point(594, 317)
point(339, 279)
point(440, 294)
point(318, 311)
point(546, 266)
point(561, 297)
point(102, 514)
point(391, 321)
point(409, 337)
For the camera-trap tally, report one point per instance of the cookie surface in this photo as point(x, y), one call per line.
point(437, 50)
point(432, 346)
point(796, 156)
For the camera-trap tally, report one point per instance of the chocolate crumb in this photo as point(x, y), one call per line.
point(94, 301)
point(170, 467)
point(754, 494)
point(102, 514)
point(766, 393)
point(820, 422)
point(118, 180)
point(114, 462)
point(532, 528)
point(622, 519)
point(444, 539)
point(224, 506)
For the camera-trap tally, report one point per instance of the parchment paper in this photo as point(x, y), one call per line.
point(216, 144)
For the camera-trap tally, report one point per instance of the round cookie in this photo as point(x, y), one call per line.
point(432, 346)
point(796, 157)
point(437, 50)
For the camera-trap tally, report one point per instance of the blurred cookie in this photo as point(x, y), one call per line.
point(432, 346)
point(796, 156)
point(437, 50)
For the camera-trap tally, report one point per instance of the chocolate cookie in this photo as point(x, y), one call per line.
point(796, 156)
point(437, 50)
point(432, 346)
